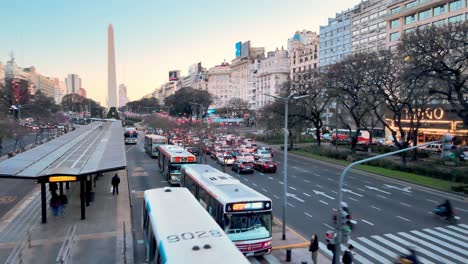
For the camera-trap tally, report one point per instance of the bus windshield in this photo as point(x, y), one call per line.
point(248, 226)
point(174, 168)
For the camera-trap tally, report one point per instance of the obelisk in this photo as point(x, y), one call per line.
point(111, 82)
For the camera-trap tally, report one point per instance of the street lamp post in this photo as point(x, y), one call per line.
point(285, 153)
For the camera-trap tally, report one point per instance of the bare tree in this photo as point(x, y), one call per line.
point(238, 106)
point(441, 52)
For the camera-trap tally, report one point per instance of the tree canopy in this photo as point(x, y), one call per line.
point(188, 101)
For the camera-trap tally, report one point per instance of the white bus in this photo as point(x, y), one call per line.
point(170, 159)
point(131, 135)
point(177, 229)
point(151, 144)
point(243, 213)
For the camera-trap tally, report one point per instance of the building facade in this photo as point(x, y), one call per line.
point(123, 98)
point(73, 83)
point(41, 83)
point(60, 90)
point(304, 52)
point(369, 28)
point(219, 78)
point(335, 38)
point(406, 15)
point(2, 74)
point(273, 72)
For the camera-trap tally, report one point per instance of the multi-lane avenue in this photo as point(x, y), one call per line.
point(391, 214)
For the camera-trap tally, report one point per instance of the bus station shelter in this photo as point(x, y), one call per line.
point(77, 156)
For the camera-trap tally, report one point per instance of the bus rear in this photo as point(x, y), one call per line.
point(131, 135)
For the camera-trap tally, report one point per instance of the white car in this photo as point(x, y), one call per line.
point(246, 157)
point(262, 154)
point(247, 148)
point(225, 159)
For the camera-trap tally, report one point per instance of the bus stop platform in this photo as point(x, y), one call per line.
point(104, 237)
point(295, 249)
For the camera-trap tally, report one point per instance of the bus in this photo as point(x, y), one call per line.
point(176, 229)
point(151, 144)
point(131, 135)
point(170, 159)
point(342, 134)
point(244, 214)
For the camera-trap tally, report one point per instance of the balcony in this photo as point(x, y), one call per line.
point(421, 6)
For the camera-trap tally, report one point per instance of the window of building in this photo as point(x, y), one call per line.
point(364, 30)
point(424, 14)
point(395, 23)
point(395, 36)
point(373, 27)
point(373, 38)
point(355, 32)
point(439, 22)
point(395, 10)
point(373, 16)
point(455, 5)
point(410, 19)
point(409, 30)
point(382, 13)
point(411, 4)
point(424, 26)
point(455, 19)
point(439, 10)
point(382, 35)
point(356, 22)
point(382, 24)
point(364, 19)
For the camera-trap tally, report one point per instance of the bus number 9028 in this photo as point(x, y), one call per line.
point(190, 235)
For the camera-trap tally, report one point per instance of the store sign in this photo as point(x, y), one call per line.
point(62, 178)
point(428, 114)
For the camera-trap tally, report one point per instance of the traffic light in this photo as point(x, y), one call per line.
point(448, 144)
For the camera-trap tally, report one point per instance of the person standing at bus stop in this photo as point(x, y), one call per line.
point(115, 184)
point(313, 248)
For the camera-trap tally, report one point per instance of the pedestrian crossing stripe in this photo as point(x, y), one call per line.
point(448, 245)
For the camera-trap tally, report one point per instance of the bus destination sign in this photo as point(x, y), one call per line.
point(247, 206)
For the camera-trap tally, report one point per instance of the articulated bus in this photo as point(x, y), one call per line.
point(151, 144)
point(170, 159)
point(131, 135)
point(176, 229)
point(243, 213)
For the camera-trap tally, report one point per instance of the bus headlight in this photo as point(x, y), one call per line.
point(267, 244)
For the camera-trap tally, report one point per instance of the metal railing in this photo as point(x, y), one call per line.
point(64, 255)
point(16, 256)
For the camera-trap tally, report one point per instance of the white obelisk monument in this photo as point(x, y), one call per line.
point(111, 82)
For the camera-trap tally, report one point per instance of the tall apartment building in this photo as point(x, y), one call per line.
point(40, 82)
point(369, 27)
point(252, 84)
point(123, 98)
point(60, 90)
point(2, 74)
point(73, 83)
point(335, 38)
point(304, 50)
point(272, 73)
point(403, 16)
point(219, 85)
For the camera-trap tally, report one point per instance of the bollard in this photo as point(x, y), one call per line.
point(288, 255)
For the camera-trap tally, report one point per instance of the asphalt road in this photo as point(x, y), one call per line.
point(390, 214)
point(30, 138)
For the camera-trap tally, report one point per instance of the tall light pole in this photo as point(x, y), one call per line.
point(285, 153)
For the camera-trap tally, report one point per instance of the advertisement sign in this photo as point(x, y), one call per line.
point(173, 75)
point(245, 50)
point(238, 48)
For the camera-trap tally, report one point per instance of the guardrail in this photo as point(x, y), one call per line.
point(67, 246)
point(124, 244)
point(16, 256)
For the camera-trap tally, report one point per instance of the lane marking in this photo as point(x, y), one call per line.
point(281, 183)
point(323, 202)
point(335, 192)
point(403, 218)
point(351, 198)
point(405, 204)
point(452, 233)
point(368, 182)
point(130, 148)
point(381, 249)
point(306, 194)
point(261, 173)
point(264, 190)
point(320, 186)
point(463, 210)
point(276, 196)
point(367, 222)
point(432, 201)
point(368, 252)
point(451, 239)
point(399, 249)
point(293, 188)
point(316, 174)
point(254, 184)
point(362, 190)
point(270, 178)
point(307, 181)
point(381, 196)
point(291, 205)
point(376, 208)
point(332, 228)
point(330, 179)
point(458, 229)
point(308, 214)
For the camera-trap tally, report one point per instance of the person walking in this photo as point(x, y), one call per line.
point(348, 256)
point(313, 248)
point(115, 184)
point(331, 247)
point(54, 204)
point(63, 200)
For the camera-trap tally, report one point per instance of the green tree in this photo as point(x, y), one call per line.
point(144, 105)
point(113, 113)
point(182, 101)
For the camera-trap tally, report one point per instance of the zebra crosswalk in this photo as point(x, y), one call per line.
point(447, 245)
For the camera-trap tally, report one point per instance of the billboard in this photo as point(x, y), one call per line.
point(238, 48)
point(245, 50)
point(174, 75)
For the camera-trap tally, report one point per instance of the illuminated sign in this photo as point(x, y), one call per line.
point(238, 48)
point(252, 206)
point(427, 114)
point(184, 159)
point(62, 178)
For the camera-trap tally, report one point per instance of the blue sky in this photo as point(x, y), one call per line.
point(151, 36)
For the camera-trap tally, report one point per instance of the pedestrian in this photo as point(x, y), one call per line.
point(63, 204)
point(54, 204)
point(313, 248)
point(331, 247)
point(53, 187)
point(348, 256)
point(115, 184)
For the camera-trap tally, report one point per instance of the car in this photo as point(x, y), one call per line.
point(242, 167)
point(215, 154)
point(262, 154)
point(267, 149)
point(193, 150)
point(245, 157)
point(225, 159)
point(432, 148)
point(247, 148)
point(265, 165)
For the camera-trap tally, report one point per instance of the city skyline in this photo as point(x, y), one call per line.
point(151, 38)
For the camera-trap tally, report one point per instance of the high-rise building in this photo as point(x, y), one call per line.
point(304, 52)
point(82, 92)
point(41, 83)
point(406, 15)
point(369, 26)
point(111, 81)
point(273, 72)
point(73, 83)
point(60, 90)
point(335, 38)
point(219, 85)
point(123, 98)
point(2, 74)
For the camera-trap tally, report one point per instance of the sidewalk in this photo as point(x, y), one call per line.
point(298, 244)
point(99, 238)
